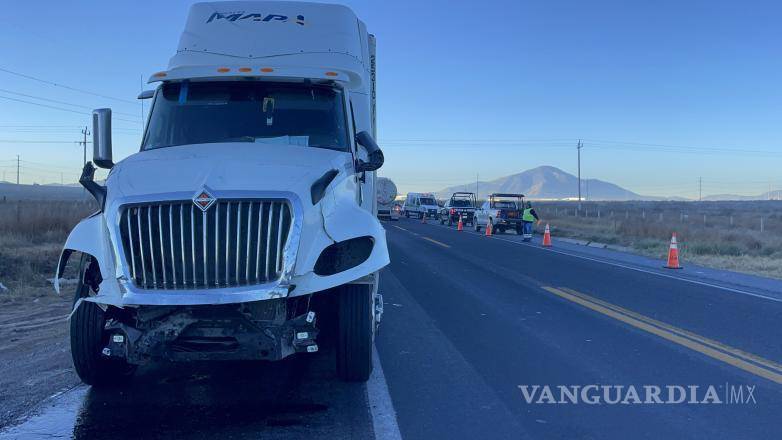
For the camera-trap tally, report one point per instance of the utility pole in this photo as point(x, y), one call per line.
point(476, 185)
point(579, 173)
point(17, 169)
point(83, 143)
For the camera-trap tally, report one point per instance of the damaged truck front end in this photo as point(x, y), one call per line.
point(245, 226)
point(263, 330)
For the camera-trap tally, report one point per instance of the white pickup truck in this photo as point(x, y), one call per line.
point(244, 228)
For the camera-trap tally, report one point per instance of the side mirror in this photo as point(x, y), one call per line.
point(375, 155)
point(101, 138)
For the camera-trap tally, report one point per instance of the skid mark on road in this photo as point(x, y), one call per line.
point(732, 356)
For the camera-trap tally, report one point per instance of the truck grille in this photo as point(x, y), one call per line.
point(175, 245)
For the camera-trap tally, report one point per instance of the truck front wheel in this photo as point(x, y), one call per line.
point(355, 333)
point(88, 339)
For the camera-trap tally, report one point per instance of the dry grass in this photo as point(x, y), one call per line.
point(646, 227)
point(31, 236)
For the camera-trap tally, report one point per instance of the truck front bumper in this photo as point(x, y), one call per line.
point(197, 333)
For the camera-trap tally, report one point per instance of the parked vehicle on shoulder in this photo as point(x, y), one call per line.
point(244, 228)
point(386, 199)
point(461, 204)
point(503, 211)
point(421, 205)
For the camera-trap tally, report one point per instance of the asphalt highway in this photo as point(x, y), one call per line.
point(475, 328)
point(472, 318)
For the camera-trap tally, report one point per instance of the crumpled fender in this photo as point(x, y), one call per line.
point(90, 236)
point(344, 219)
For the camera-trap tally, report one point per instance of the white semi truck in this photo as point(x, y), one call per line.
point(386, 199)
point(245, 226)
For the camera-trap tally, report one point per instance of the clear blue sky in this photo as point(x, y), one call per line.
point(454, 79)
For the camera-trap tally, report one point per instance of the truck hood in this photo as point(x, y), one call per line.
point(223, 166)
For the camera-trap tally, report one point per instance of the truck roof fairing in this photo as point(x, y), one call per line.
point(229, 72)
point(292, 39)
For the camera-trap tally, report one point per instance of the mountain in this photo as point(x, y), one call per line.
point(546, 182)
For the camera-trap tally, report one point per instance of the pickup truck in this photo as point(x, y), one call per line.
point(460, 204)
point(503, 211)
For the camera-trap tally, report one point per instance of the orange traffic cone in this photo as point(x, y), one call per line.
point(547, 237)
point(459, 225)
point(673, 254)
point(488, 228)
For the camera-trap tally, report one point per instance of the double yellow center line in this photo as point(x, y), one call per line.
point(732, 356)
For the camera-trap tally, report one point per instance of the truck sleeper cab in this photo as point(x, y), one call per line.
point(245, 226)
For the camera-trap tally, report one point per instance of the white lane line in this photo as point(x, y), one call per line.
point(380, 406)
point(637, 269)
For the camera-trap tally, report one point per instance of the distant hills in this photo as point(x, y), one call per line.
point(546, 182)
point(12, 191)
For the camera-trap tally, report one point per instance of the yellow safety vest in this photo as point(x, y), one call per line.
point(527, 216)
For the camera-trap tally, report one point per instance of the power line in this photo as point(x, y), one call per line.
point(21, 141)
point(64, 86)
point(60, 108)
point(679, 148)
point(60, 102)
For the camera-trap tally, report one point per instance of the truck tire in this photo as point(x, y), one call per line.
point(476, 226)
point(88, 339)
point(355, 333)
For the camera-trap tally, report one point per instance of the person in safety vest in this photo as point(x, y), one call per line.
point(527, 219)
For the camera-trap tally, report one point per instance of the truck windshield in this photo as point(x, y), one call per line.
point(234, 111)
point(427, 201)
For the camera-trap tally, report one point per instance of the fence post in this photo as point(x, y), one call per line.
point(704, 219)
point(731, 220)
point(661, 217)
point(761, 223)
point(643, 214)
point(598, 213)
point(627, 214)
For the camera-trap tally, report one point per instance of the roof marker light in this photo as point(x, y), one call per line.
point(267, 69)
point(245, 69)
point(331, 74)
point(160, 74)
point(223, 69)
